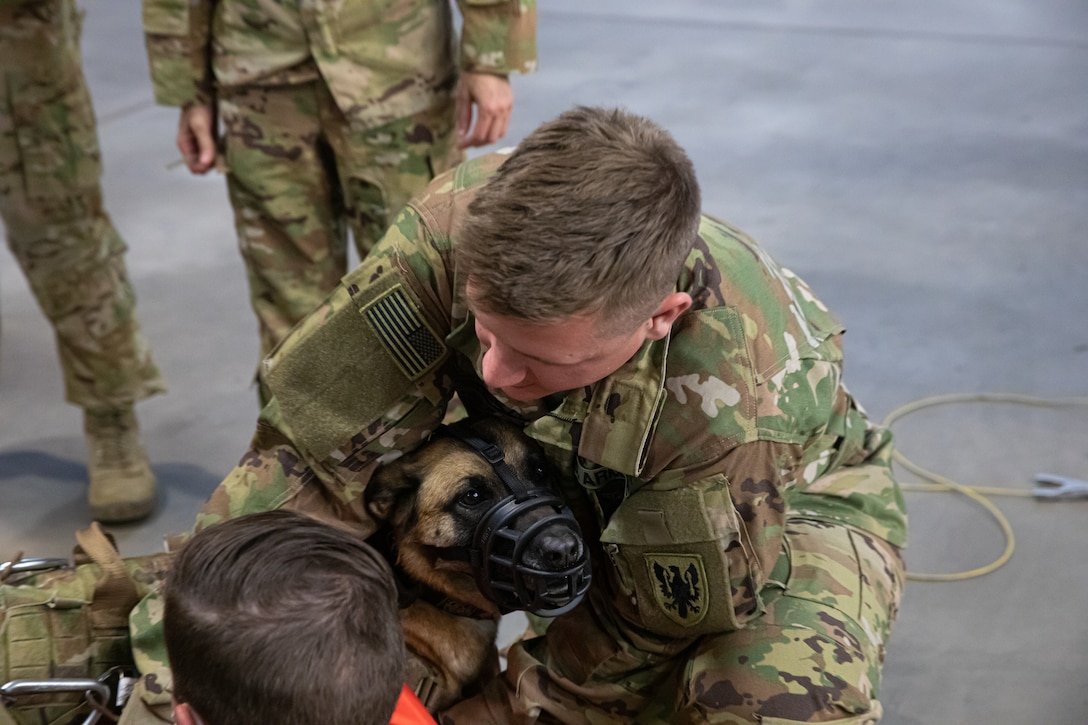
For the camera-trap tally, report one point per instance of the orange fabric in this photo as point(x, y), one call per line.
point(410, 710)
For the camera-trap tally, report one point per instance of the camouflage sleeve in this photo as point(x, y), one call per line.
point(841, 476)
point(347, 392)
point(697, 544)
point(200, 51)
point(344, 402)
point(757, 429)
point(498, 36)
point(835, 468)
point(166, 36)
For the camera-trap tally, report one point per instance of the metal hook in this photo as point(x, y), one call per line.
point(97, 693)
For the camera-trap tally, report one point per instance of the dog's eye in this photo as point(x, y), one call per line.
point(538, 469)
point(471, 497)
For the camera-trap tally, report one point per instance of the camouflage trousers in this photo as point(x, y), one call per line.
point(51, 204)
point(300, 177)
point(814, 656)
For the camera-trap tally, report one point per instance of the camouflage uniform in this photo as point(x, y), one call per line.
point(334, 113)
point(744, 520)
point(51, 204)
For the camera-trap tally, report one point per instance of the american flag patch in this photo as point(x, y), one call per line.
point(397, 323)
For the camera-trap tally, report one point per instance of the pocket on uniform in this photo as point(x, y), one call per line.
point(680, 559)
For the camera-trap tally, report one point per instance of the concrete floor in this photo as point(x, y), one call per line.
point(923, 166)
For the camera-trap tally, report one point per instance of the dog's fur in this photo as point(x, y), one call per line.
point(428, 501)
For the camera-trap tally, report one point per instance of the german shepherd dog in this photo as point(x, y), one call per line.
point(430, 504)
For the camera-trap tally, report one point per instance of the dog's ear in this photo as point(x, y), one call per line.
point(389, 487)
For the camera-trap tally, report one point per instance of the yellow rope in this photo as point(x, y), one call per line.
point(977, 494)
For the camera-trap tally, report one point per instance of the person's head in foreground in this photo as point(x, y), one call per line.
point(573, 248)
point(278, 619)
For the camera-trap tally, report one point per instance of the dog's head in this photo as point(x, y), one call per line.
point(437, 500)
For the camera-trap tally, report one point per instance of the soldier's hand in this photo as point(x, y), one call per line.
point(196, 140)
point(493, 99)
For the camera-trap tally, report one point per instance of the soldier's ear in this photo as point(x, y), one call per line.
point(389, 487)
point(184, 714)
point(670, 308)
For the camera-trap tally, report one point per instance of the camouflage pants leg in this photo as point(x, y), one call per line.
point(51, 204)
point(814, 656)
point(299, 177)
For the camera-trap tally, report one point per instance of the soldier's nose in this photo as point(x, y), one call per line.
point(499, 372)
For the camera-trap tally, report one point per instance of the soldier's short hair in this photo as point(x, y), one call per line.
point(593, 213)
point(276, 618)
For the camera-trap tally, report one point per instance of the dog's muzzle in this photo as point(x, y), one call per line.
point(500, 557)
point(527, 551)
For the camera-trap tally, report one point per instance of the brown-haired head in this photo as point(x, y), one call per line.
point(593, 213)
point(278, 619)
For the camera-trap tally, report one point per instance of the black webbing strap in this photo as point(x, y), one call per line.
point(491, 453)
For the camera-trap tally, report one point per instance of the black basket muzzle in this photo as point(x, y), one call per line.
point(515, 527)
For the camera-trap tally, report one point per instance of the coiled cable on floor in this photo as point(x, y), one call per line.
point(978, 494)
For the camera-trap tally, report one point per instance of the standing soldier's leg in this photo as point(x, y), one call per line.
point(288, 209)
point(381, 169)
point(73, 257)
point(298, 176)
point(814, 656)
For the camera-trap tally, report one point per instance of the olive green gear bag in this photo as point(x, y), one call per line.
point(65, 657)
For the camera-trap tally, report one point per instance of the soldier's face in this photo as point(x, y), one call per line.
point(528, 361)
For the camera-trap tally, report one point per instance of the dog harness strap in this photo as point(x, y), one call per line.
point(427, 690)
point(493, 455)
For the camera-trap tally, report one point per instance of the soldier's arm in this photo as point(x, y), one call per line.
point(170, 42)
point(839, 475)
point(728, 455)
point(342, 403)
point(177, 34)
point(359, 380)
point(498, 37)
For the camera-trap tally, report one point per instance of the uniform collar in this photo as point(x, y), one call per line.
point(616, 416)
point(609, 423)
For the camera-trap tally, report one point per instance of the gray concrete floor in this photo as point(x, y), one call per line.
point(923, 165)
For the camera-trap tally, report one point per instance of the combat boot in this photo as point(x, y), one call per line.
point(122, 483)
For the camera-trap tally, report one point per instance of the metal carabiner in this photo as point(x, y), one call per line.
point(22, 566)
point(41, 564)
point(96, 693)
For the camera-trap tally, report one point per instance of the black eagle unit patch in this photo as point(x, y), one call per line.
point(681, 590)
point(403, 332)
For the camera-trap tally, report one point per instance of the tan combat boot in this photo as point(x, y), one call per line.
point(122, 484)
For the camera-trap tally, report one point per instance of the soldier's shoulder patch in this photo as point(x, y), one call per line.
point(403, 332)
point(679, 586)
